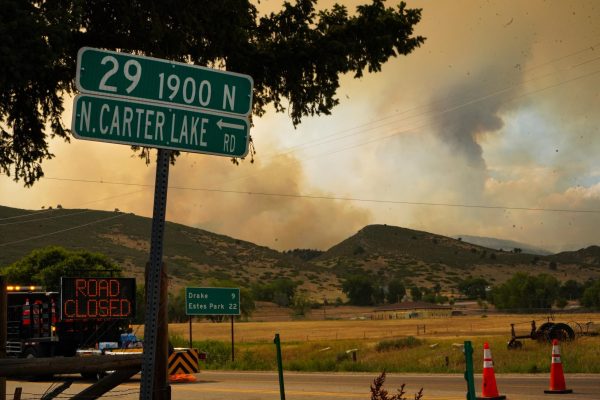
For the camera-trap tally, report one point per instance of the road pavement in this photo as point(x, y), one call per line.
point(216, 385)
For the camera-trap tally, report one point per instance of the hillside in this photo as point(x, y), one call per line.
point(425, 258)
point(195, 256)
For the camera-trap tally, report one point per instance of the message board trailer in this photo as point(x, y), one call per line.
point(97, 298)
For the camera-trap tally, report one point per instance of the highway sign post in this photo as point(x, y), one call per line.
point(212, 301)
point(145, 101)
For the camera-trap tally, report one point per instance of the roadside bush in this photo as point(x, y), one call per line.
point(218, 353)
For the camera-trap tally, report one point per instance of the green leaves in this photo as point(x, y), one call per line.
point(295, 56)
point(526, 292)
point(45, 267)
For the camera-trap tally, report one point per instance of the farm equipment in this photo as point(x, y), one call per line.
point(551, 330)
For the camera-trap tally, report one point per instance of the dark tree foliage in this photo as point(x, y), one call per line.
point(416, 293)
point(524, 292)
point(295, 56)
point(304, 254)
point(396, 291)
point(359, 289)
point(280, 291)
point(473, 288)
point(45, 267)
point(571, 290)
point(591, 296)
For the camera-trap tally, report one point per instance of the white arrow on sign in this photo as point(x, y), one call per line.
point(222, 125)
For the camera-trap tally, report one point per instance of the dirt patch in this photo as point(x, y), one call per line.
point(127, 241)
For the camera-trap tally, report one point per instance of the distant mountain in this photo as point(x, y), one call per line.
point(503, 244)
point(589, 256)
point(197, 257)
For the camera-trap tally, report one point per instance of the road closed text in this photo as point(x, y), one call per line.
point(89, 298)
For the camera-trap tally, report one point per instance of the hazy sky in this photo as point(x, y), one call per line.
point(491, 128)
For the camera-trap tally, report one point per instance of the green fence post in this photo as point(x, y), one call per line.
point(279, 366)
point(469, 371)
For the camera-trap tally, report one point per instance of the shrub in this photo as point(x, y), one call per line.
point(379, 393)
point(402, 343)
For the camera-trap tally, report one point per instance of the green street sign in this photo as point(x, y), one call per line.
point(212, 301)
point(120, 121)
point(154, 80)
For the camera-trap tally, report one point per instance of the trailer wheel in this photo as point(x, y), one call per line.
point(30, 352)
point(515, 345)
point(543, 332)
point(562, 332)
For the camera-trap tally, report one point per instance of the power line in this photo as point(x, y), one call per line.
point(27, 215)
point(61, 231)
point(47, 218)
point(425, 114)
point(343, 198)
point(330, 138)
point(66, 215)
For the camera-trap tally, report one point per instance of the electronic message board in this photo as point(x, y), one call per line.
point(97, 298)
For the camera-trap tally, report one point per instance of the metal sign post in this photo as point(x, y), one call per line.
point(213, 301)
point(469, 370)
point(277, 342)
point(154, 277)
point(190, 322)
point(145, 101)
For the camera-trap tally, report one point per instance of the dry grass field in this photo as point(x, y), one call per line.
point(432, 345)
point(460, 327)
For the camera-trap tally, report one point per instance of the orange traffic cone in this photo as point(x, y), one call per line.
point(489, 390)
point(557, 378)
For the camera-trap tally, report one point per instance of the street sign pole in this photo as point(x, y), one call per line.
point(232, 342)
point(145, 101)
point(154, 283)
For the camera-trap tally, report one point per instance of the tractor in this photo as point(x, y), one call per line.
point(545, 333)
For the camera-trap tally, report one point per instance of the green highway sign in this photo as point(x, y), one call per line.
point(154, 80)
point(120, 121)
point(212, 301)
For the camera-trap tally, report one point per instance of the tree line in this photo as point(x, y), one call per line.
point(521, 292)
